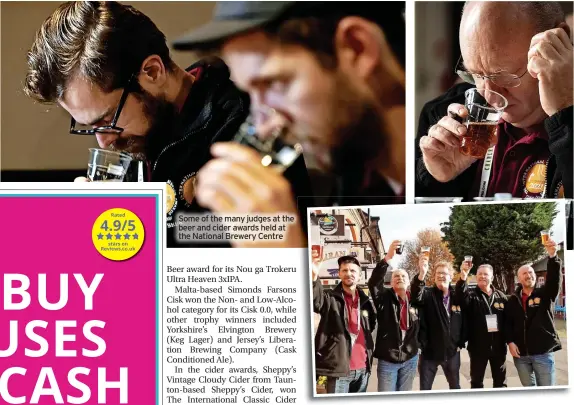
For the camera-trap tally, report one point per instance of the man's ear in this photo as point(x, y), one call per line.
point(566, 28)
point(358, 46)
point(153, 74)
point(363, 51)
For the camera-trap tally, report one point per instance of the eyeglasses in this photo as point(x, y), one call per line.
point(502, 79)
point(111, 129)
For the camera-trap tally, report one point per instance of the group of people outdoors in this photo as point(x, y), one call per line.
point(329, 76)
point(421, 327)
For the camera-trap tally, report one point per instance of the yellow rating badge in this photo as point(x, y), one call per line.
point(118, 234)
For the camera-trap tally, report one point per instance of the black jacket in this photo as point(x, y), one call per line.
point(332, 340)
point(390, 345)
point(213, 112)
point(560, 166)
point(533, 331)
point(477, 305)
point(442, 333)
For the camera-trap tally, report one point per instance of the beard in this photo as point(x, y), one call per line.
point(357, 135)
point(162, 117)
point(349, 282)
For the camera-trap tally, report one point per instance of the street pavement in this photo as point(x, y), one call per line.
point(440, 383)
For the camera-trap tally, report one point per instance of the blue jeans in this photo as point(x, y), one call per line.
point(396, 376)
point(428, 369)
point(355, 381)
point(536, 370)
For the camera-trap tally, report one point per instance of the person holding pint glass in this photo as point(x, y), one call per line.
point(442, 334)
point(397, 346)
point(530, 331)
point(484, 306)
point(343, 342)
point(508, 127)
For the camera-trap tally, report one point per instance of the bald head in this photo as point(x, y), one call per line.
point(534, 16)
point(495, 38)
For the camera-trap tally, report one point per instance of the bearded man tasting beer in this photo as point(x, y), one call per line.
point(334, 75)
point(484, 306)
point(441, 335)
point(108, 65)
point(530, 331)
point(397, 346)
point(509, 128)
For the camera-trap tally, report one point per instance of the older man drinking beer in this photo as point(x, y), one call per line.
point(397, 343)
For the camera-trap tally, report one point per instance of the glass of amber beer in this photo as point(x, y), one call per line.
point(485, 107)
point(544, 235)
point(425, 251)
point(468, 260)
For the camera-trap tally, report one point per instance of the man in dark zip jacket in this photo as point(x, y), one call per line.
point(348, 116)
point(442, 334)
point(109, 66)
point(397, 346)
point(343, 342)
point(530, 331)
point(532, 155)
point(484, 311)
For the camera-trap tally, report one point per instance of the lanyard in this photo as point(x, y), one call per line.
point(486, 169)
point(354, 336)
point(406, 301)
point(140, 172)
point(487, 304)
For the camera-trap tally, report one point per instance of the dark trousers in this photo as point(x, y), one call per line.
point(478, 368)
point(428, 369)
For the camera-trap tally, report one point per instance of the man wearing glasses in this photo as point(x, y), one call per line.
point(522, 51)
point(109, 66)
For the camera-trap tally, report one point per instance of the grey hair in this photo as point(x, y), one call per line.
point(488, 266)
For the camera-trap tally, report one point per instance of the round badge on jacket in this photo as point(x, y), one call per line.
point(170, 201)
point(534, 179)
point(187, 188)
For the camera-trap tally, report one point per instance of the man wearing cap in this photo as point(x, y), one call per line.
point(442, 330)
point(108, 65)
point(530, 330)
point(334, 74)
point(523, 52)
point(343, 342)
point(397, 345)
point(484, 307)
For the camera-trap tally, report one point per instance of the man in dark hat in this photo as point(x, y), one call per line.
point(334, 74)
point(344, 341)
